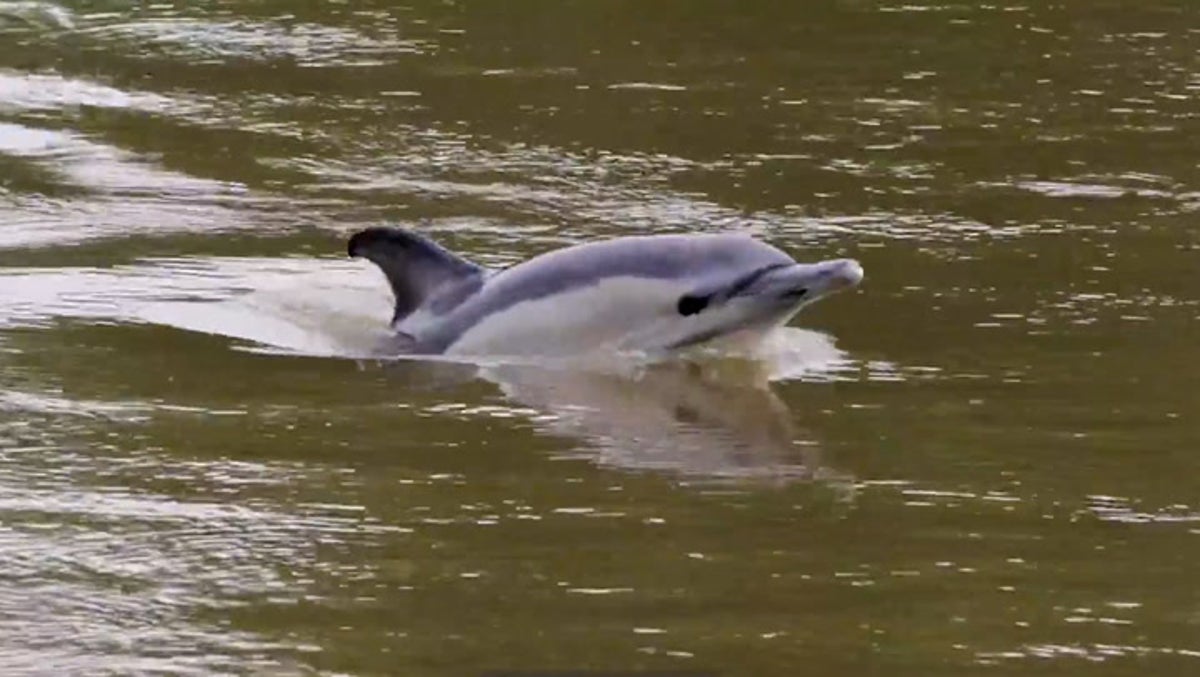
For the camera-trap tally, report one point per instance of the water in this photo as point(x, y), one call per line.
point(982, 461)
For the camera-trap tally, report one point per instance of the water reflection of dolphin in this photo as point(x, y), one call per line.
point(702, 419)
point(674, 416)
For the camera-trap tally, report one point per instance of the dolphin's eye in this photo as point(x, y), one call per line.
point(690, 305)
point(795, 293)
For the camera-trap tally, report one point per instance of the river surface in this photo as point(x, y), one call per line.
point(984, 460)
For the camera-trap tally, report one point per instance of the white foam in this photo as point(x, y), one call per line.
point(301, 306)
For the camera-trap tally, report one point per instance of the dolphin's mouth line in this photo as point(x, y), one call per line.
point(749, 279)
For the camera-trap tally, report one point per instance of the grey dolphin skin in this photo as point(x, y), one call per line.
point(645, 293)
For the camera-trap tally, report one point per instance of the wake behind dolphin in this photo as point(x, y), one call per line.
point(652, 294)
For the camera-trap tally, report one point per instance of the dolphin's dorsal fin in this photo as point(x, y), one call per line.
point(415, 266)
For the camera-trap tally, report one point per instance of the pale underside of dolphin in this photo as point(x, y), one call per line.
point(652, 294)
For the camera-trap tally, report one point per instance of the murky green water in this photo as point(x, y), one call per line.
point(984, 461)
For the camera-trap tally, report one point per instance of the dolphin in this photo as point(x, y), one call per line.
point(652, 294)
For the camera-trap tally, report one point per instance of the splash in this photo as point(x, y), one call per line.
point(38, 15)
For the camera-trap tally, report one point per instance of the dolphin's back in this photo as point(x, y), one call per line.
point(631, 272)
